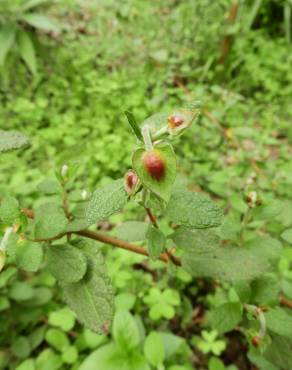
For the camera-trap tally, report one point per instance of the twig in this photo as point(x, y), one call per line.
point(151, 217)
point(285, 301)
point(227, 41)
point(108, 240)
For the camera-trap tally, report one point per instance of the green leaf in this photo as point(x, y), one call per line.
point(156, 122)
point(28, 364)
point(161, 187)
point(11, 140)
point(20, 347)
point(287, 236)
point(106, 201)
point(265, 247)
point(125, 331)
point(70, 355)
point(91, 298)
point(279, 352)
point(27, 51)
point(29, 256)
point(49, 187)
point(9, 210)
point(268, 211)
point(134, 125)
point(7, 37)
point(154, 349)
point(50, 221)
point(225, 317)
point(30, 4)
point(41, 21)
point(48, 360)
point(156, 242)
point(66, 263)
point(172, 343)
point(204, 256)
point(57, 339)
point(279, 321)
point(193, 210)
point(131, 231)
point(63, 318)
point(111, 357)
point(21, 291)
point(265, 289)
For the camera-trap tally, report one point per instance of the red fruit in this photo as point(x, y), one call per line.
point(131, 180)
point(154, 164)
point(256, 341)
point(175, 121)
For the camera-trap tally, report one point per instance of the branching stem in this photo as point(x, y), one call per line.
point(107, 239)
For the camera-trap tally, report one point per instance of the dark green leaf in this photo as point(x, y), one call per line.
point(204, 256)
point(66, 263)
point(50, 221)
point(134, 125)
point(27, 51)
point(279, 321)
point(106, 201)
point(226, 316)
point(156, 242)
point(7, 37)
point(92, 298)
point(193, 210)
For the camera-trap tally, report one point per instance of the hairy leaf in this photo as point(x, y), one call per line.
point(205, 256)
point(156, 241)
point(193, 210)
point(29, 256)
point(279, 321)
point(9, 210)
point(66, 263)
point(131, 231)
point(50, 221)
point(11, 140)
point(226, 316)
point(106, 201)
point(92, 298)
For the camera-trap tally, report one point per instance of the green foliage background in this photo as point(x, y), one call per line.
point(148, 56)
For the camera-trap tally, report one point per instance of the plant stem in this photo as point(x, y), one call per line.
point(151, 217)
point(147, 137)
point(107, 240)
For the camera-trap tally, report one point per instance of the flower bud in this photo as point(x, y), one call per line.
point(175, 121)
point(64, 170)
point(154, 164)
point(131, 180)
point(256, 341)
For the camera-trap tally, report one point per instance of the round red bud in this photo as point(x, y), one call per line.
point(154, 164)
point(131, 180)
point(175, 121)
point(256, 341)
